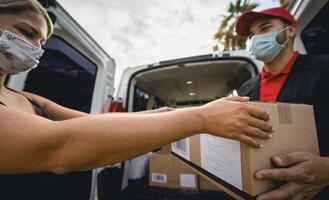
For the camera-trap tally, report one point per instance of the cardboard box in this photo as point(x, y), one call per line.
point(165, 149)
point(232, 164)
point(205, 184)
point(168, 171)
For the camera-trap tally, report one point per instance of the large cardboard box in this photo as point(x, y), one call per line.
point(231, 164)
point(205, 184)
point(169, 172)
point(165, 149)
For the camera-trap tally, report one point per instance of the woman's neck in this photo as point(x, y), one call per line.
point(2, 82)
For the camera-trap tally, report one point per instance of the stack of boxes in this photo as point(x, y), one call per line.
point(166, 170)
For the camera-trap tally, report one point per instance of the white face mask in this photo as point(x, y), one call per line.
point(17, 55)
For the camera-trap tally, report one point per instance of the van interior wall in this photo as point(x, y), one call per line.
point(194, 84)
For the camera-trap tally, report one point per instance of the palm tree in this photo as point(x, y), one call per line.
point(285, 3)
point(226, 37)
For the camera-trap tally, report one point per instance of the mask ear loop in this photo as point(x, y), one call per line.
point(285, 28)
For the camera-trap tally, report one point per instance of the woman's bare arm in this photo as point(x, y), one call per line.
point(29, 143)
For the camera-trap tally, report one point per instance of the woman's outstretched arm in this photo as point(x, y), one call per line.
point(29, 143)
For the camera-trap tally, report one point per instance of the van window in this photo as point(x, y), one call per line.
point(7, 79)
point(158, 103)
point(141, 99)
point(315, 35)
point(64, 76)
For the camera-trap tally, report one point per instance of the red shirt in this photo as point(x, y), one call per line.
point(270, 84)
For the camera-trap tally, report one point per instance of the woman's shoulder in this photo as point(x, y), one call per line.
point(16, 101)
point(41, 101)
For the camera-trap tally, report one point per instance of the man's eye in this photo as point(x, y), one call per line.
point(265, 28)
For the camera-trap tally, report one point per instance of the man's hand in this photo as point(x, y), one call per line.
point(305, 175)
point(234, 118)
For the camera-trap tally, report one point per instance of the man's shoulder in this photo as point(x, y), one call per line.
point(251, 81)
point(248, 86)
point(313, 62)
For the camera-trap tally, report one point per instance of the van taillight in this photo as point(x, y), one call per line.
point(116, 106)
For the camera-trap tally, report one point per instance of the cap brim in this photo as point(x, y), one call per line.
point(244, 22)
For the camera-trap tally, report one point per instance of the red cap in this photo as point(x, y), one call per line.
point(246, 19)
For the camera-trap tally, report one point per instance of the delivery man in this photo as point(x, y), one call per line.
point(290, 77)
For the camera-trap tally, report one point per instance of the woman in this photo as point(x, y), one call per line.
point(38, 135)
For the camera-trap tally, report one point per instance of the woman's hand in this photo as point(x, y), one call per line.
point(234, 118)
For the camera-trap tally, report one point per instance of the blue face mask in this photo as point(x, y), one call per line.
point(265, 47)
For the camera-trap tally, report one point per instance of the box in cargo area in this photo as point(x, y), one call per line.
point(204, 184)
point(169, 172)
point(231, 164)
point(165, 149)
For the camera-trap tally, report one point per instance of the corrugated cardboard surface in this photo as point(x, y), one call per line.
point(165, 149)
point(195, 152)
point(205, 184)
point(295, 130)
point(173, 169)
point(211, 180)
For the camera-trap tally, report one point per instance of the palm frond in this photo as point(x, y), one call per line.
point(225, 34)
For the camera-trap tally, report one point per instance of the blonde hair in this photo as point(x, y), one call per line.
point(19, 6)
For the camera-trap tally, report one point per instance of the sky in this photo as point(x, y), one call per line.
point(138, 32)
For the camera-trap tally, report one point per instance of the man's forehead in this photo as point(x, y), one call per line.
point(261, 21)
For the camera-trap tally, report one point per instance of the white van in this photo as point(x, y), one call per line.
point(76, 72)
point(197, 80)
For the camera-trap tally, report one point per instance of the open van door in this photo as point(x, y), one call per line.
point(125, 91)
point(74, 72)
point(313, 27)
point(184, 81)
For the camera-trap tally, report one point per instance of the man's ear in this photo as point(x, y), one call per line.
point(292, 30)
